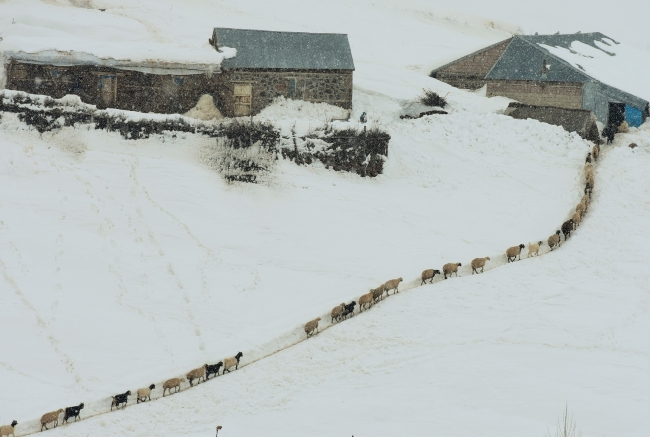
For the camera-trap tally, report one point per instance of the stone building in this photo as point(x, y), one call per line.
point(308, 66)
point(315, 67)
point(160, 87)
point(523, 69)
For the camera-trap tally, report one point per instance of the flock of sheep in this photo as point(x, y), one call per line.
point(343, 311)
point(143, 394)
point(339, 312)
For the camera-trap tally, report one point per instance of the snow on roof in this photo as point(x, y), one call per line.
point(581, 58)
point(89, 36)
point(285, 50)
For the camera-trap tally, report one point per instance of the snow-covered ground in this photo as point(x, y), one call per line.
point(124, 263)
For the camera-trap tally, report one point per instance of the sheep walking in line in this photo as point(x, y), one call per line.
point(73, 412)
point(595, 152)
point(533, 248)
point(120, 399)
point(212, 369)
point(51, 417)
point(377, 294)
point(429, 274)
point(144, 393)
point(577, 218)
point(450, 268)
point(197, 373)
point(479, 263)
point(586, 200)
point(513, 252)
point(365, 301)
point(231, 362)
point(312, 327)
point(7, 430)
point(554, 240)
point(588, 189)
point(174, 383)
point(393, 284)
point(338, 310)
point(588, 157)
point(581, 208)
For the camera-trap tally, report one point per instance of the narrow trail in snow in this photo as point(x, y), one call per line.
point(291, 338)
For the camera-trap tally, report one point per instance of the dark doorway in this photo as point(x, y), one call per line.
point(616, 114)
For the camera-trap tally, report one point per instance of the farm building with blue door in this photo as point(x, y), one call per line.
point(523, 69)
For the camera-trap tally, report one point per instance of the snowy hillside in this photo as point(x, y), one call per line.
point(125, 263)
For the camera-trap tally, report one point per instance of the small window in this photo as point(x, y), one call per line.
point(55, 74)
point(179, 80)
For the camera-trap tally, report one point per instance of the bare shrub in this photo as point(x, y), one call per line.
point(565, 427)
point(239, 162)
point(430, 98)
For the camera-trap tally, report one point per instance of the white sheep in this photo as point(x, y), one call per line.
point(338, 310)
point(581, 208)
point(577, 217)
point(513, 252)
point(450, 268)
point(197, 373)
point(589, 171)
point(231, 362)
point(554, 240)
point(7, 430)
point(429, 274)
point(50, 417)
point(312, 326)
point(595, 152)
point(144, 393)
point(393, 284)
point(534, 248)
point(366, 300)
point(479, 263)
point(174, 383)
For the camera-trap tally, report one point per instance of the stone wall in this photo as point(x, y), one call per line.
point(559, 94)
point(470, 72)
point(135, 91)
point(333, 87)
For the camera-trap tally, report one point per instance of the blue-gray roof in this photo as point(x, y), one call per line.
point(262, 49)
point(524, 57)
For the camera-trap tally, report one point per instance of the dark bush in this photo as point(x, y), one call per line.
point(430, 98)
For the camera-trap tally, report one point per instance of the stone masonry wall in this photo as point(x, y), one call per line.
point(333, 87)
point(559, 94)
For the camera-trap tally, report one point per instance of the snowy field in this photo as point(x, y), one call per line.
point(125, 263)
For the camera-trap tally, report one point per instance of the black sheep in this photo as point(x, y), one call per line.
point(120, 399)
point(567, 226)
point(349, 309)
point(588, 189)
point(71, 412)
point(588, 158)
point(212, 369)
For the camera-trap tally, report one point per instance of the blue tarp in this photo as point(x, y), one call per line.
point(633, 116)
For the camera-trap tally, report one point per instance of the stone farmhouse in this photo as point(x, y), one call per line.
point(522, 69)
point(314, 67)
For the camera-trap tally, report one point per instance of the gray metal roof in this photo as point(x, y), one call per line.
point(524, 57)
point(262, 49)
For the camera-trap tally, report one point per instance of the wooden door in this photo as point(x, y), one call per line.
point(108, 89)
point(243, 99)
